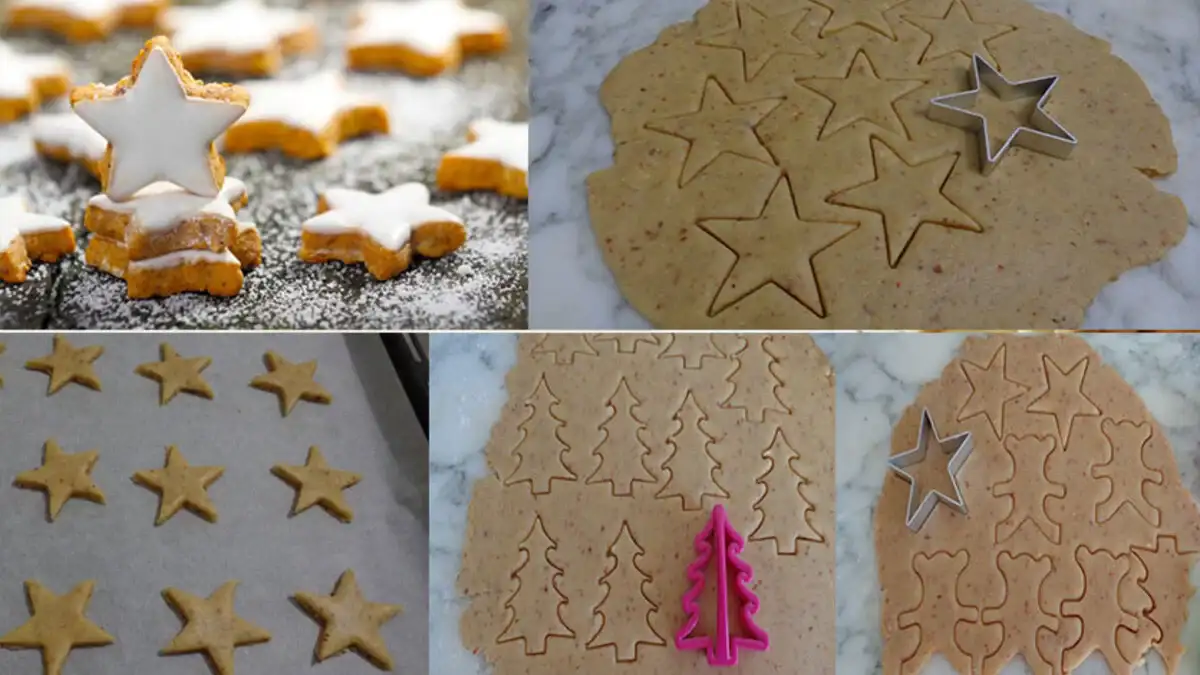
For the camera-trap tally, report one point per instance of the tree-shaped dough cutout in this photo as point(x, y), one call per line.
point(720, 543)
point(690, 349)
point(535, 608)
point(563, 347)
point(626, 610)
point(755, 384)
point(783, 510)
point(540, 451)
point(622, 452)
point(691, 468)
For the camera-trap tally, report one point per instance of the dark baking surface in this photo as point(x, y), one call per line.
point(483, 285)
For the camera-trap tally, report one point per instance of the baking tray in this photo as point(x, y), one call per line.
point(483, 285)
point(369, 428)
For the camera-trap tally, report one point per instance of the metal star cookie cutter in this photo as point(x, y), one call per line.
point(1044, 135)
point(959, 444)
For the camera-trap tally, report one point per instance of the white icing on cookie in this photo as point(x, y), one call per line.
point(162, 205)
point(158, 132)
point(18, 71)
point(16, 219)
point(504, 142)
point(235, 26)
point(68, 130)
point(180, 258)
point(90, 10)
point(311, 103)
point(431, 27)
point(388, 217)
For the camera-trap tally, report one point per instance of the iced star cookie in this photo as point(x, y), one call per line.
point(305, 118)
point(422, 37)
point(240, 37)
point(26, 236)
point(64, 137)
point(496, 158)
point(381, 230)
point(28, 79)
point(82, 20)
point(160, 123)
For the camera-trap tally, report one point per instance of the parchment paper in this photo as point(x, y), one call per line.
point(369, 428)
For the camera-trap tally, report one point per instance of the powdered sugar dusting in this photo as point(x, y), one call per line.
point(483, 284)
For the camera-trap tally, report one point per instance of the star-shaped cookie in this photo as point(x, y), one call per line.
point(244, 37)
point(291, 382)
point(760, 37)
point(175, 374)
point(1064, 397)
point(862, 96)
point(956, 32)
point(211, 626)
point(422, 37)
point(349, 621)
point(67, 364)
point(62, 476)
point(160, 124)
point(316, 483)
point(27, 79)
point(26, 236)
point(56, 625)
point(181, 485)
point(496, 157)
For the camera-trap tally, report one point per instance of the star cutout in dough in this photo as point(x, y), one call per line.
point(175, 374)
point(1064, 397)
point(57, 625)
point(161, 124)
point(180, 485)
point(720, 125)
point(211, 627)
point(906, 196)
point(67, 364)
point(349, 621)
point(291, 382)
point(862, 96)
point(865, 13)
point(777, 247)
point(990, 391)
point(316, 483)
point(62, 476)
point(760, 37)
point(957, 33)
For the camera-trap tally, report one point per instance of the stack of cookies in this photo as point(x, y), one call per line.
point(167, 219)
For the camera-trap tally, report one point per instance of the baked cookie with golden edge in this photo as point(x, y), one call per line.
point(381, 230)
point(65, 138)
point(422, 37)
point(57, 624)
point(316, 483)
point(62, 476)
point(211, 627)
point(82, 20)
point(28, 79)
point(26, 236)
point(180, 485)
point(306, 118)
point(175, 373)
point(66, 364)
point(495, 158)
point(349, 622)
point(218, 274)
point(759, 127)
point(239, 37)
point(160, 123)
point(291, 382)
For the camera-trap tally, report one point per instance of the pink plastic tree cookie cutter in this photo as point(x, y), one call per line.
point(722, 649)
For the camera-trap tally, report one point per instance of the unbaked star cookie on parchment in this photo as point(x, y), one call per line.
point(292, 382)
point(175, 373)
point(349, 621)
point(67, 364)
point(211, 627)
point(57, 625)
point(181, 485)
point(317, 483)
point(62, 476)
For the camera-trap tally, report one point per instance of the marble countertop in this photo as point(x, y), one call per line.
point(878, 376)
point(575, 43)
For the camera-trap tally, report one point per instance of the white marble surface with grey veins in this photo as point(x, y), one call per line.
point(575, 43)
point(878, 376)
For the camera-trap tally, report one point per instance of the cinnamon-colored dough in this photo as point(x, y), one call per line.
point(1078, 537)
point(774, 167)
point(605, 464)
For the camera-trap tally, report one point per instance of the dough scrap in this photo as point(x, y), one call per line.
point(1079, 534)
point(606, 462)
point(774, 168)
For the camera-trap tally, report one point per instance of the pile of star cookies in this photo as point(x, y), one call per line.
point(186, 237)
point(211, 627)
